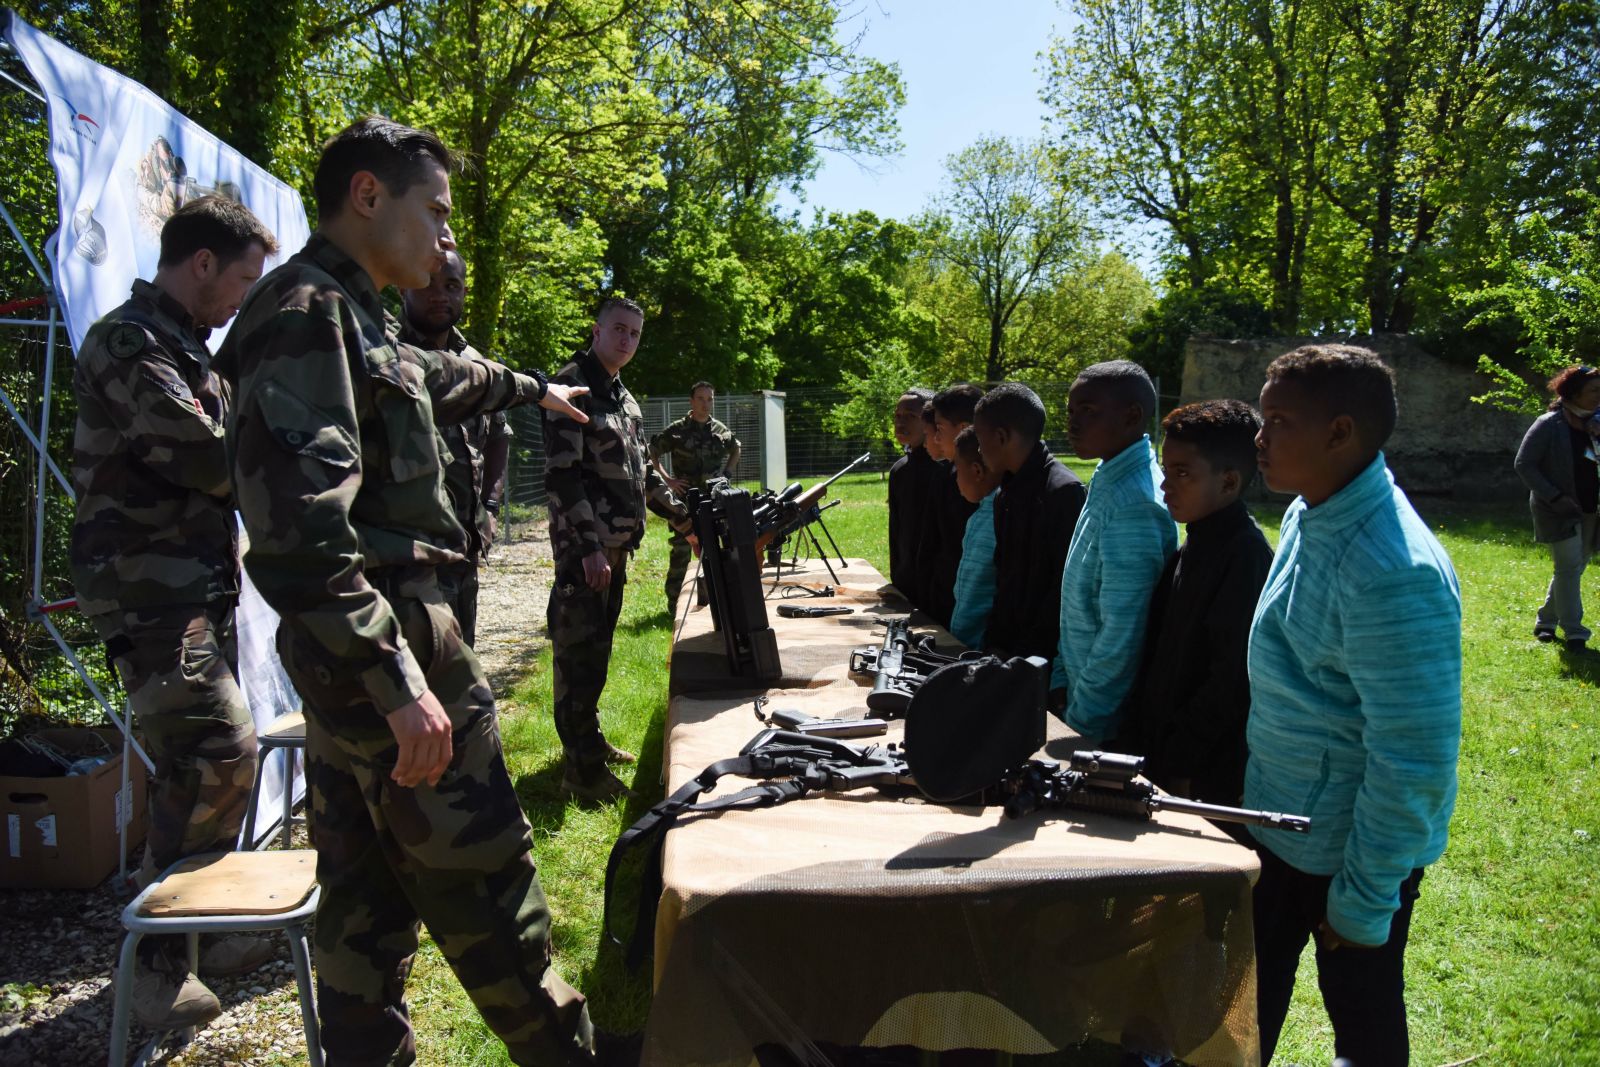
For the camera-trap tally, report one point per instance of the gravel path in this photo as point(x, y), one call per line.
point(57, 946)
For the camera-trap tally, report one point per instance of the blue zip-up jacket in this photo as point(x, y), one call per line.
point(975, 577)
point(1355, 697)
point(1120, 544)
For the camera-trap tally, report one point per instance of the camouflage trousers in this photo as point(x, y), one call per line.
point(582, 623)
point(178, 665)
point(459, 584)
point(454, 856)
point(679, 555)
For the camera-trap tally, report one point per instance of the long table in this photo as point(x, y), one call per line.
point(879, 920)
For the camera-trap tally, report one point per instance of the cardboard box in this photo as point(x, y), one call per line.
point(61, 833)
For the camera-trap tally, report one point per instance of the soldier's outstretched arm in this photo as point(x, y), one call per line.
point(158, 417)
point(295, 441)
point(461, 387)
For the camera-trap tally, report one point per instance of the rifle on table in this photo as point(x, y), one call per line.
point(899, 665)
point(782, 514)
point(1110, 783)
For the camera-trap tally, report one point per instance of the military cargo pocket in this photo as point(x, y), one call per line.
point(406, 412)
point(301, 428)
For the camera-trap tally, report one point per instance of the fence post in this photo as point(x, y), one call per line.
point(774, 460)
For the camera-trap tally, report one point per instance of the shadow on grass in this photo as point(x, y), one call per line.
point(1582, 664)
point(645, 623)
point(540, 795)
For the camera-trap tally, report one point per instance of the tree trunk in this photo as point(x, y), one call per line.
point(154, 71)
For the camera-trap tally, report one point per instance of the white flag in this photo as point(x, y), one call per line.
point(125, 160)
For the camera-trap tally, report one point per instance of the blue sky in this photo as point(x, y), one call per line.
point(970, 68)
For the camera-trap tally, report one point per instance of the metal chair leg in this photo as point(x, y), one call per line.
point(301, 953)
point(288, 793)
point(247, 835)
point(120, 1008)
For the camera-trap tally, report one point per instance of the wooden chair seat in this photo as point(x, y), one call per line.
point(235, 883)
point(285, 730)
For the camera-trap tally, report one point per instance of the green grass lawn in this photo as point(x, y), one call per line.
point(1502, 963)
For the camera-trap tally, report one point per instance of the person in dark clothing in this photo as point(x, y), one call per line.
point(1186, 712)
point(945, 416)
point(912, 483)
point(1034, 515)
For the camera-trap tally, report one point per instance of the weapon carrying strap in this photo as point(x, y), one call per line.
point(787, 769)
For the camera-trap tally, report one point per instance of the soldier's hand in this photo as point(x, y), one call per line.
point(559, 398)
point(423, 731)
point(677, 485)
point(694, 543)
point(597, 571)
point(494, 528)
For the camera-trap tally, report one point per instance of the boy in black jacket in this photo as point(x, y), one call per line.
point(1186, 713)
point(913, 483)
point(1034, 515)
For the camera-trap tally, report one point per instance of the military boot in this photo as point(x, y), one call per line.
point(165, 999)
point(619, 755)
point(230, 955)
point(596, 785)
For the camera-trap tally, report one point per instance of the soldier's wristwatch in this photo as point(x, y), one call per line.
point(492, 506)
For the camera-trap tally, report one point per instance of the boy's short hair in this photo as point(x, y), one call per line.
point(1570, 382)
point(967, 447)
point(612, 303)
point(1223, 431)
point(1012, 406)
point(1127, 380)
point(697, 386)
point(224, 227)
point(956, 403)
point(917, 391)
point(927, 412)
point(397, 155)
point(1344, 380)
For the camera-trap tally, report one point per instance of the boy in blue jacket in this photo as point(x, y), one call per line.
point(1120, 544)
point(1355, 714)
point(969, 623)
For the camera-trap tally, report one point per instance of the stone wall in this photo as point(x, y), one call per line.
point(1444, 444)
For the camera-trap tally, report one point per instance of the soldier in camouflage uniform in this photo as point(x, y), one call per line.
point(155, 559)
point(338, 475)
point(700, 448)
point(599, 483)
point(479, 447)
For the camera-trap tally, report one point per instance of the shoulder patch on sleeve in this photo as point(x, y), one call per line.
point(127, 340)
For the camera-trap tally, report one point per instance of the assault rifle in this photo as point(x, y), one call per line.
point(1111, 783)
point(789, 512)
point(899, 666)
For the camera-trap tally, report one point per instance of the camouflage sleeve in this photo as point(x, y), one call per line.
point(295, 442)
point(661, 443)
point(463, 387)
point(661, 500)
point(161, 421)
point(563, 479)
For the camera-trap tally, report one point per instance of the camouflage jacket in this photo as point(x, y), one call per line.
point(468, 442)
point(154, 524)
point(698, 450)
point(337, 465)
point(596, 474)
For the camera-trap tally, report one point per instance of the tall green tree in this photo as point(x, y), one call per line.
point(1011, 224)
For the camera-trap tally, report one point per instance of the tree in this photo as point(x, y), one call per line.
point(1010, 223)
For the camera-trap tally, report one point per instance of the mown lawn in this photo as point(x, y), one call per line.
point(1503, 957)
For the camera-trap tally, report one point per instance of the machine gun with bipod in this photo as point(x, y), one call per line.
point(790, 512)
